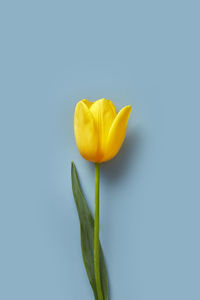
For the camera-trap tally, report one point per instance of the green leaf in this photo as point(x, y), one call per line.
point(87, 237)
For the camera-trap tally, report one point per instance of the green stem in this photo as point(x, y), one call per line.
point(96, 234)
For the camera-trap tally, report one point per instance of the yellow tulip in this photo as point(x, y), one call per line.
point(99, 130)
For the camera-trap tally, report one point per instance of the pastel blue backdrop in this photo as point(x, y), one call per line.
point(143, 53)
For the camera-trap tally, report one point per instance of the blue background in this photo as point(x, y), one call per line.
point(143, 53)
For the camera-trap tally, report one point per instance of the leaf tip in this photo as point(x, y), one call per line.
point(73, 168)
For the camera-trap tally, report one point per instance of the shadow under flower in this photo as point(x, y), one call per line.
point(116, 168)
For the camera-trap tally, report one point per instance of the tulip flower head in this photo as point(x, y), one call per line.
point(99, 130)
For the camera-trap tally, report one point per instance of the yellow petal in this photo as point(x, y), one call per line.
point(88, 103)
point(117, 133)
point(104, 114)
point(85, 132)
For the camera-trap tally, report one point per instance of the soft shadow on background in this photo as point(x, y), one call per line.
point(114, 170)
point(123, 163)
